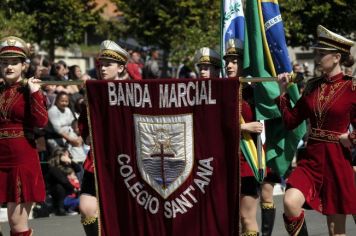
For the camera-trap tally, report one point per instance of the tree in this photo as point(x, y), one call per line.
point(62, 22)
point(54, 22)
point(171, 25)
point(301, 18)
point(14, 22)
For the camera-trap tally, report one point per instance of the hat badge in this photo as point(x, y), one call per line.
point(11, 42)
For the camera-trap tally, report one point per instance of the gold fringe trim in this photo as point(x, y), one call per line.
point(250, 233)
point(267, 205)
point(88, 220)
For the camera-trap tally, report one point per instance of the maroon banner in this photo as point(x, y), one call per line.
point(166, 156)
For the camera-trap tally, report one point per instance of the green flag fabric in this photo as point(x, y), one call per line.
point(281, 144)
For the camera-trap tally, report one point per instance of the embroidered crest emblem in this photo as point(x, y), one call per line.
point(11, 42)
point(164, 147)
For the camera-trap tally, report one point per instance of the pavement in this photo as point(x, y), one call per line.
point(70, 225)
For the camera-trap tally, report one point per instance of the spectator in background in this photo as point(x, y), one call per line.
point(34, 70)
point(60, 70)
point(76, 151)
point(71, 201)
point(184, 72)
point(49, 90)
point(134, 67)
point(297, 68)
point(61, 166)
point(74, 73)
point(46, 67)
point(60, 118)
point(306, 70)
point(151, 69)
point(74, 90)
point(78, 106)
point(85, 77)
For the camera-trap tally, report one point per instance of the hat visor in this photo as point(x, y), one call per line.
point(322, 47)
point(109, 59)
point(231, 55)
point(207, 63)
point(12, 55)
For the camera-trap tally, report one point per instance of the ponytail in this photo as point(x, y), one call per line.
point(347, 60)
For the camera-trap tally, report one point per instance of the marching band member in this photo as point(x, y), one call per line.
point(111, 64)
point(323, 179)
point(208, 62)
point(249, 184)
point(21, 109)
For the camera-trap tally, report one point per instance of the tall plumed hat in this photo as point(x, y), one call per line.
point(111, 51)
point(207, 56)
point(234, 47)
point(330, 41)
point(11, 47)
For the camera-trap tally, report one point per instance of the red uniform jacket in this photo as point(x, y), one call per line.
point(325, 174)
point(20, 172)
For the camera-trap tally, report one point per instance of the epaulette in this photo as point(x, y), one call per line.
point(353, 81)
point(312, 84)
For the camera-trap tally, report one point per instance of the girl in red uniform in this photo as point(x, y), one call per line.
point(323, 179)
point(21, 109)
point(111, 64)
point(249, 185)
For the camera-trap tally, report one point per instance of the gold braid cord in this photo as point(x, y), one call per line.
point(250, 233)
point(267, 205)
point(88, 220)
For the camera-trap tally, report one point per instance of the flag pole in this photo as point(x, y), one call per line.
point(222, 17)
point(63, 83)
point(259, 156)
point(295, 78)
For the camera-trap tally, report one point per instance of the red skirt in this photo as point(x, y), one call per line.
point(21, 177)
point(245, 169)
point(326, 179)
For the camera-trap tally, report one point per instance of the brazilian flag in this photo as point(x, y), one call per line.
point(265, 55)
